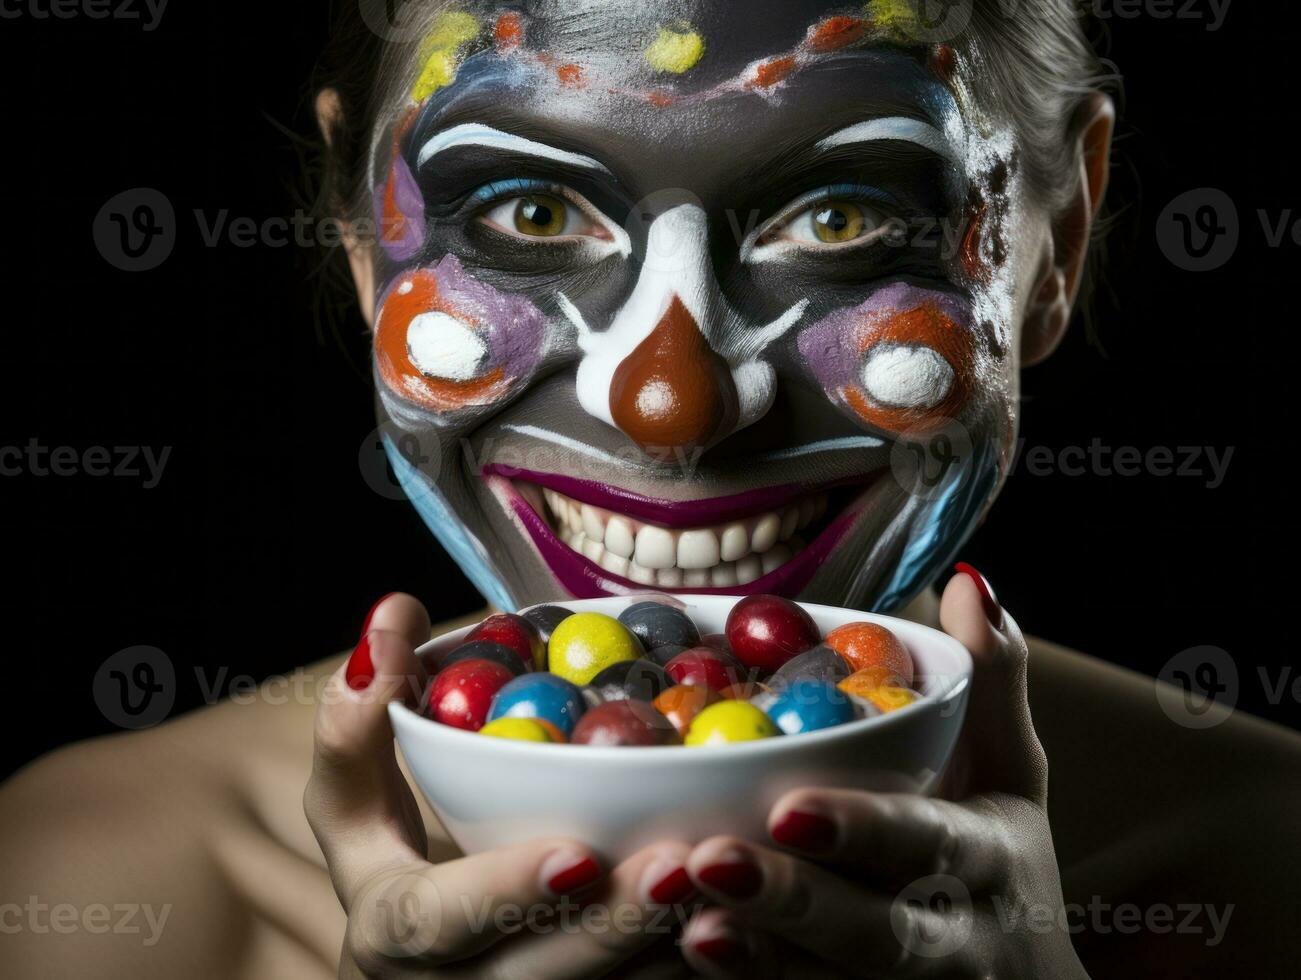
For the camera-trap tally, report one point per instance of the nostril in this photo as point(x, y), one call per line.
point(673, 393)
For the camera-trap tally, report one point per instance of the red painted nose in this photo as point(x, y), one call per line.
point(673, 394)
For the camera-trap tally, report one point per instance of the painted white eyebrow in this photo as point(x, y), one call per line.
point(894, 128)
point(476, 134)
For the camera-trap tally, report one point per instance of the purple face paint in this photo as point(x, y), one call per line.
point(400, 212)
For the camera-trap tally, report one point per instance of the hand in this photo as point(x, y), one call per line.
point(893, 885)
point(499, 913)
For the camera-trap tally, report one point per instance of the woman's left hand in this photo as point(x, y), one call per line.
point(893, 885)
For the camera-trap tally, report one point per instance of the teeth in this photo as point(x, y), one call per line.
point(618, 537)
point(765, 533)
point(735, 543)
point(697, 549)
point(721, 556)
point(656, 547)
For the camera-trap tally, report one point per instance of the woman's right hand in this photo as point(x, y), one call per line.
point(507, 912)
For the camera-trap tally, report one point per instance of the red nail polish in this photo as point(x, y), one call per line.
point(805, 831)
point(672, 888)
point(736, 879)
point(993, 611)
point(360, 671)
point(575, 876)
point(721, 951)
point(365, 623)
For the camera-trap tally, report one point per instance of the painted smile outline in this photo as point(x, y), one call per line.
point(583, 578)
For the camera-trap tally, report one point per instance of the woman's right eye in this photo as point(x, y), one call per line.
point(540, 215)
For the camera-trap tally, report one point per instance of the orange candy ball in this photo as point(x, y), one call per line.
point(681, 704)
point(865, 645)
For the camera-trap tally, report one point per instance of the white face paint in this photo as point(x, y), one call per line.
point(476, 134)
point(678, 264)
point(907, 377)
point(443, 347)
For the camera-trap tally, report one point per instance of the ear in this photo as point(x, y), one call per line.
point(329, 116)
point(1062, 265)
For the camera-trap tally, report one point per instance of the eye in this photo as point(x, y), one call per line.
point(833, 222)
point(542, 213)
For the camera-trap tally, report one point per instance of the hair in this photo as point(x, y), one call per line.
point(1039, 59)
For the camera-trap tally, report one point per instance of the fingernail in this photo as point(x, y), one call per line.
point(670, 883)
point(993, 611)
point(722, 951)
point(735, 878)
point(361, 669)
point(365, 623)
point(805, 831)
point(565, 872)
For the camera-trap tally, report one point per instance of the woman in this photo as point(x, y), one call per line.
point(702, 297)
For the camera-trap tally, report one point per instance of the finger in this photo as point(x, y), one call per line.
point(717, 944)
point(894, 838)
point(428, 915)
point(1002, 749)
point(396, 612)
point(855, 928)
point(641, 903)
point(357, 802)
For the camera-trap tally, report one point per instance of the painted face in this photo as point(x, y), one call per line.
point(710, 297)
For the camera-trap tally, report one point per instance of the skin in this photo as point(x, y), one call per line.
point(264, 879)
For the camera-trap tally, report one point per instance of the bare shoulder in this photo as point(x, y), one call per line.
point(148, 853)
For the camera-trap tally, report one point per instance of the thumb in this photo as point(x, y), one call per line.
point(998, 737)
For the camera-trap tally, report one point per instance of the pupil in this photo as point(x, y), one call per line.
point(834, 219)
point(538, 214)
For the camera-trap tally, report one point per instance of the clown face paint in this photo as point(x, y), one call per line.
point(693, 296)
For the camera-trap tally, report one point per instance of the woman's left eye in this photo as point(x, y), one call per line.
point(541, 215)
point(830, 222)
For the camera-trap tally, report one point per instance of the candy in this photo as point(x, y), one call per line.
point(891, 698)
point(662, 655)
point(765, 631)
point(483, 650)
point(703, 667)
point(556, 734)
point(515, 632)
point(638, 679)
point(540, 696)
point(586, 643)
point(545, 619)
point(807, 705)
point(821, 663)
point(871, 645)
point(729, 721)
point(523, 729)
point(863, 682)
point(624, 723)
point(657, 625)
point(461, 694)
point(682, 703)
point(744, 691)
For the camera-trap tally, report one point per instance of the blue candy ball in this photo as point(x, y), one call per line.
point(539, 695)
point(807, 705)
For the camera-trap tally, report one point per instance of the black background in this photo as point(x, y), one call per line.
point(263, 546)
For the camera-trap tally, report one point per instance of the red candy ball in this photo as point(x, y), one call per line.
point(703, 667)
point(624, 723)
point(462, 693)
point(766, 630)
point(515, 632)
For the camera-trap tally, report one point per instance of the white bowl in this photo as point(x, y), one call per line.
point(490, 792)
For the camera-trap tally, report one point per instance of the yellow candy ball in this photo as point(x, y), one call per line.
point(584, 644)
point(729, 721)
point(522, 729)
point(890, 698)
